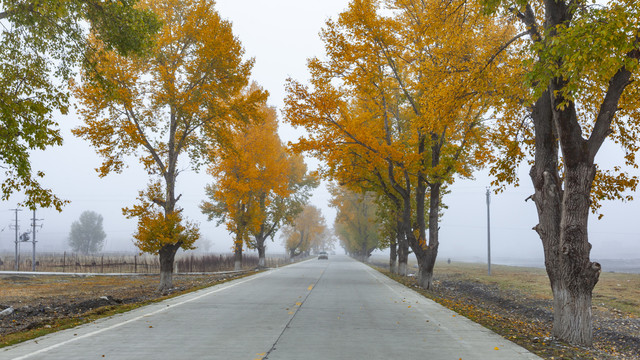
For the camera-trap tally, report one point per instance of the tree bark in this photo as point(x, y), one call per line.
point(403, 247)
point(429, 252)
point(237, 264)
point(393, 252)
point(261, 253)
point(167, 256)
point(563, 215)
point(576, 275)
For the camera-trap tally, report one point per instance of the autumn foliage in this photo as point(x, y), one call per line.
point(356, 224)
point(157, 230)
point(165, 107)
point(306, 232)
point(400, 105)
point(41, 45)
point(575, 87)
point(258, 184)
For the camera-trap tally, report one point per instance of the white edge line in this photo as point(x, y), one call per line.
point(114, 326)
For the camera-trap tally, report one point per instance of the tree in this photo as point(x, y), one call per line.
point(258, 184)
point(326, 241)
point(305, 232)
point(282, 210)
point(356, 223)
point(172, 103)
point(41, 42)
point(410, 89)
point(391, 229)
point(86, 235)
point(578, 84)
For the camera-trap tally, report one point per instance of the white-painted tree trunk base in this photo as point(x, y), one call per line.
point(572, 318)
point(402, 269)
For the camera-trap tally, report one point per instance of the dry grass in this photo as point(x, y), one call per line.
point(614, 291)
point(131, 263)
point(30, 289)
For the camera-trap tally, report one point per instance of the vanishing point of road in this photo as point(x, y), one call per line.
point(316, 309)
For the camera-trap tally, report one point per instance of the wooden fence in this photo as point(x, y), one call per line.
point(141, 264)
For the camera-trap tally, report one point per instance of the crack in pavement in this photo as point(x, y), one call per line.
point(310, 288)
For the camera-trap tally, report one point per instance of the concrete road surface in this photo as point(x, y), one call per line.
point(317, 309)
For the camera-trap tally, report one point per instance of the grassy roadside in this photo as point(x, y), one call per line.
point(516, 303)
point(616, 292)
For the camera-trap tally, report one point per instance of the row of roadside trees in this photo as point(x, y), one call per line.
point(415, 93)
point(163, 81)
point(412, 94)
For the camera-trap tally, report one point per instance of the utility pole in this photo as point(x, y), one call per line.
point(17, 227)
point(488, 232)
point(33, 229)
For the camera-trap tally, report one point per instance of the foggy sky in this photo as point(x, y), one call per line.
point(282, 35)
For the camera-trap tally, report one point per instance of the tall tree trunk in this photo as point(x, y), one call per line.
point(403, 246)
point(430, 251)
point(393, 252)
point(167, 256)
point(261, 252)
point(237, 264)
point(167, 253)
point(562, 227)
point(576, 275)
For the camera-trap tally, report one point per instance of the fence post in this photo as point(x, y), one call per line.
point(64, 260)
point(135, 264)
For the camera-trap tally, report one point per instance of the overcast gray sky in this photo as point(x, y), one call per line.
point(282, 35)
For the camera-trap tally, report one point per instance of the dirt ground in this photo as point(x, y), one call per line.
point(527, 320)
point(42, 301)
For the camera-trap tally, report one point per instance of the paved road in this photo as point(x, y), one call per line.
point(336, 309)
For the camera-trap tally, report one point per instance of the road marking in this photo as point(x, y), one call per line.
point(114, 326)
point(294, 313)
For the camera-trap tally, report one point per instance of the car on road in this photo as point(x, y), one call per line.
point(322, 255)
